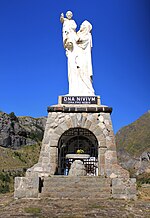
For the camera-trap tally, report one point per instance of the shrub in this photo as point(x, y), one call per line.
point(13, 117)
point(4, 188)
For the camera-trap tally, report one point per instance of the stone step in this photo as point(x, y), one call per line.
point(76, 187)
point(76, 194)
point(81, 184)
point(73, 180)
point(79, 188)
point(83, 178)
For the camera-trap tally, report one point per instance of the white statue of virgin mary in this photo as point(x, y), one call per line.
point(78, 50)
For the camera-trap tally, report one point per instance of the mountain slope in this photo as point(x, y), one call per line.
point(133, 146)
point(135, 138)
point(16, 132)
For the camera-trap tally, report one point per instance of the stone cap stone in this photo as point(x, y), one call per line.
point(77, 156)
point(79, 109)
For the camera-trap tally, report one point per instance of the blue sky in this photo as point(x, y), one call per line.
point(33, 65)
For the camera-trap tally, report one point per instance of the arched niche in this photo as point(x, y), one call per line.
point(74, 139)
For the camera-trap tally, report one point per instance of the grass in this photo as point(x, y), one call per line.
point(14, 163)
point(144, 193)
point(135, 137)
point(33, 210)
point(143, 179)
point(22, 158)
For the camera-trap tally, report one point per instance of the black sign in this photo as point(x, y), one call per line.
point(79, 100)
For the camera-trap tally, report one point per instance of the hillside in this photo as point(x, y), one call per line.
point(135, 138)
point(133, 145)
point(20, 144)
point(15, 163)
point(16, 132)
point(14, 160)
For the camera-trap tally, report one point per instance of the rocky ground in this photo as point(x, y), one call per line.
point(76, 208)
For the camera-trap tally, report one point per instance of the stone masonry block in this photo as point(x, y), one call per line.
point(45, 160)
point(53, 154)
point(93, 128)
point(119, 190)
point(102, 126)
point(46, 138)
point(53, 143)
point(84, 118)
point(26, 187)
point(74, 120)
point(68, 122)
point(106, 122)
point(63, 126)
point(59, 130)
point(55, 136)
point(98, 132)
point(101, 118)
point(87, 124)
point(124, 188)
point(111, 157)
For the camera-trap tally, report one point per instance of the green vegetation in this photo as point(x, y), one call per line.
point(37, 136)
point(7, 180)
point(25, 157)
point(135, 138)
point(14, 163)
point(13, 117)
point(143, 179)
point(33, 210)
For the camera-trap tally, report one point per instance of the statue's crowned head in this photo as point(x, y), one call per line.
point(69, 15)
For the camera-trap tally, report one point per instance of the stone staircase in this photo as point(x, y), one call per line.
point(76, 187)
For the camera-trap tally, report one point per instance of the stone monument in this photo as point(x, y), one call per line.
point(79, 122)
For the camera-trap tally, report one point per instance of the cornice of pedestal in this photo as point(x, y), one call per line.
point(79, 109)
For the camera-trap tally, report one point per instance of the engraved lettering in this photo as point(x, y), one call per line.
point(79, 100)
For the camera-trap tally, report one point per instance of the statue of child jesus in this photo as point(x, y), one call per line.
point(69, 30)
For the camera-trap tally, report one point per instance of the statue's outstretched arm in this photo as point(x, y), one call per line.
point(62, 18)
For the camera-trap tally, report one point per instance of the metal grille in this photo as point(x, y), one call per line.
point(70, 142)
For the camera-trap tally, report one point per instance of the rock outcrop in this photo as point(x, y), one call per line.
point(133, 145)
point(19, 131)
point(136, 165)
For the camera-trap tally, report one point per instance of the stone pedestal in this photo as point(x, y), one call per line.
point(87, 116)
point(96, 119)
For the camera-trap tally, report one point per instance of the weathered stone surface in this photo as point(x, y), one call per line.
point(58, 123)
point(84, 118)
point(19, 131)
point(87, 124)
point(74, 120)
point(101, 125)
point(26, 187)
point(113, 175)
point(59, 130)
point(124, 189)
point(101, 118)
point(105, 132)
point(77, 169)
point(78, 109)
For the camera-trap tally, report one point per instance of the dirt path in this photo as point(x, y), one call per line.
point(73, 208)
